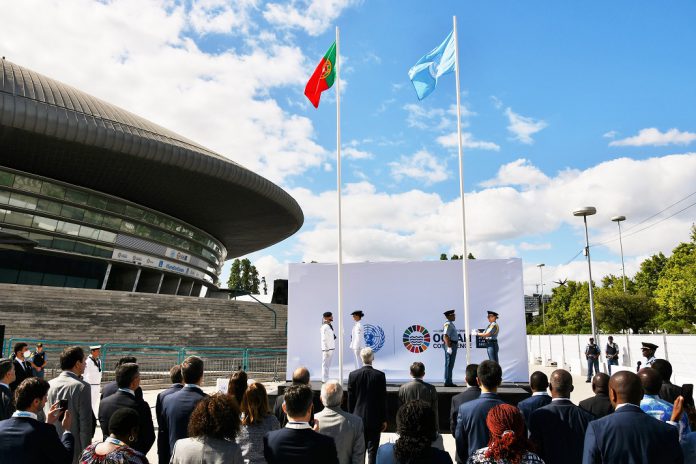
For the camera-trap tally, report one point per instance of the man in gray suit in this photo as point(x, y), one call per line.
point(416, 389)
point(68, 385)
point(345, 428)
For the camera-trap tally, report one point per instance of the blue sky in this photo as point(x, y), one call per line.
point(565, 104)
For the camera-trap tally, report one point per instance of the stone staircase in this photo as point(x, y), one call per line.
point(53, 313)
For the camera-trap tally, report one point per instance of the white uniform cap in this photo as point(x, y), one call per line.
point(95, 347)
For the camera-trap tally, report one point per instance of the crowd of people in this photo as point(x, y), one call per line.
point(632, 418)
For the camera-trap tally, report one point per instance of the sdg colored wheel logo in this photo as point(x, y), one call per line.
point(416, 339)
point(374, 337)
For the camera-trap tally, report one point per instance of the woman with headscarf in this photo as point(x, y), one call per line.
point(416, 427)
point(508, 439)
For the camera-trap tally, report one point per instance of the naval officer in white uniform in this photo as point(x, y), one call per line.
point(93, 376)
point(357, 337)
point(328, 345)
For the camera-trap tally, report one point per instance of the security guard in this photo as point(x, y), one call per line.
point(648, 351)
point(93, 376)
point(450, 344)
point(357, 337)
point(328, 345)
point(491, 336)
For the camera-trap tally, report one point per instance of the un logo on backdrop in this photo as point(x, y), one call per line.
point(416, 338)
point(374, 336)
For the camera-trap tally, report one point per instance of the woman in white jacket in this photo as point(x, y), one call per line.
point(357, 337)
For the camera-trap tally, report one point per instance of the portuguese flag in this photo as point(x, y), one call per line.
point(323, 77)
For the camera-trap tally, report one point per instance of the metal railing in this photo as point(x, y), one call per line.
point(155, 361)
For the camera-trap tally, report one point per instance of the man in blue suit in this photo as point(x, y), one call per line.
point(471, 432)
point(162, 435)
point(297, 442)
point(178, 407)
point(558, 429)
point(471, 392)
point(629, 435)
point(26, 440)
point(540, 398)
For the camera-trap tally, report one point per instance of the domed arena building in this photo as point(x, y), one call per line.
point(93, 196)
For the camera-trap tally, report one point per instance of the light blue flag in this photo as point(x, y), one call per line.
point(438, 62)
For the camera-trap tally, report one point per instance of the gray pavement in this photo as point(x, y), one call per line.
point(582, 390)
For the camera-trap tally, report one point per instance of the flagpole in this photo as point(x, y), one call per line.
point(338, 194)
point(465, 255)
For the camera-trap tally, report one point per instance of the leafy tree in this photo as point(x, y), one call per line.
point(676, 287)
point(244, 276)
point(650, 269)
point(470, 256)
point(617, 311)
point(443, 257)
point(455, 257)
point(616, 283)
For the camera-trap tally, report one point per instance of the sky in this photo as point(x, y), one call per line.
point(564, 104)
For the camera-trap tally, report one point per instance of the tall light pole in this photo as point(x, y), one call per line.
point(584, 212)
point(541, 280)
point(617, 220)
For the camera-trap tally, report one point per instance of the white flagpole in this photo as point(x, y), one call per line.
point(338, 194)
point(465, 255)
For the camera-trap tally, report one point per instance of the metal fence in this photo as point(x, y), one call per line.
point(569, 351)
point(155, 361)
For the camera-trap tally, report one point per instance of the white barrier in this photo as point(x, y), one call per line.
point(568, 351)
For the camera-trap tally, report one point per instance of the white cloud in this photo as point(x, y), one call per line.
point(313, 16)
point(221, 16)
point(523, 127)
point(526, 246)
point(221, 99)
point(610, 135)
point(497, 102)
point(419, 225)
point(420, 166)
point(354, 153)
point(518, 172)
point(421, 117)
point(468, 141)
point(653, 137)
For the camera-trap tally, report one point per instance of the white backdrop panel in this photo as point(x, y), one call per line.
point(396, 296)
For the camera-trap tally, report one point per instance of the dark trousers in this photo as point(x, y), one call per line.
point(590, 364)
point(492, 349)
point(612, 362)
point(371, 444)
point(449, 364)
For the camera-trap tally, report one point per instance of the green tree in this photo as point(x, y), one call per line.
point(470, 256)
point(455, 257)
point(244, 276)
point(648, 275)
point(443, 257)
point(568, 311)
point(617, 311)
point(676, 287)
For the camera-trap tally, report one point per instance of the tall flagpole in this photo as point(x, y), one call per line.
point(338, 194)
point(465, 255)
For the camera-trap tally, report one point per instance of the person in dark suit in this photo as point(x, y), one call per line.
point(21, 365)
point(367, 398)
point(540, 398)
point(471, 392)
point(599, 405)
point(7, 376)
point(629, 435)
point(178, 407)
point(558, 429)
point(417, 389)
point(471, 432)
point(128, 379)
point(162, 434)
point(26, 440)
point(668, 392)
point(299, 377)
point(111, 387)
point(297, 442)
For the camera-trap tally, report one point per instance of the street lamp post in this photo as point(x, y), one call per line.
point(541, 280)
point(584, 212)
point(617, 220)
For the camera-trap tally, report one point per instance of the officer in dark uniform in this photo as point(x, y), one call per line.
point(648, 351)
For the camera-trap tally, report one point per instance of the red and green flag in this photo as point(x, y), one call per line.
point(323, 77)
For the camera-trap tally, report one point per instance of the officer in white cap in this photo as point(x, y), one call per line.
point(93, 375)
point(357, 337)
point(491, 336)
point(328, 345)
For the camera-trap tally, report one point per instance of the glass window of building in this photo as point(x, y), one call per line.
point(48, 206)
point(93, 217)
point(62, 244)
point(53, 190)
point(67, 228)
point(22, 201)
point(128, 226)
point(97, 201)
point(106, 236)
point(84, 248)
point(72, 212)
point(112, 222)
point(133, 212)
point(116, 206)
point(76, 196)
point(104, 252)
point(27, 183)
point(44, 223)
point(2, 214)
point(89, 232)
point(43, 240)
point(6, 178)
point(4, 196)
point(20, 219)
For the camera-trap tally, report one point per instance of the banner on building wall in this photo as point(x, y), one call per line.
point(403, 304)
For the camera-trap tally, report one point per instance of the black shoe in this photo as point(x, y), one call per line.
point(588, 381)
point(451, 385)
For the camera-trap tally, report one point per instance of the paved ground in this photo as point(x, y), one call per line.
point(582, 391)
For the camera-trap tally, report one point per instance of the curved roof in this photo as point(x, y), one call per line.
point(52, 129)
